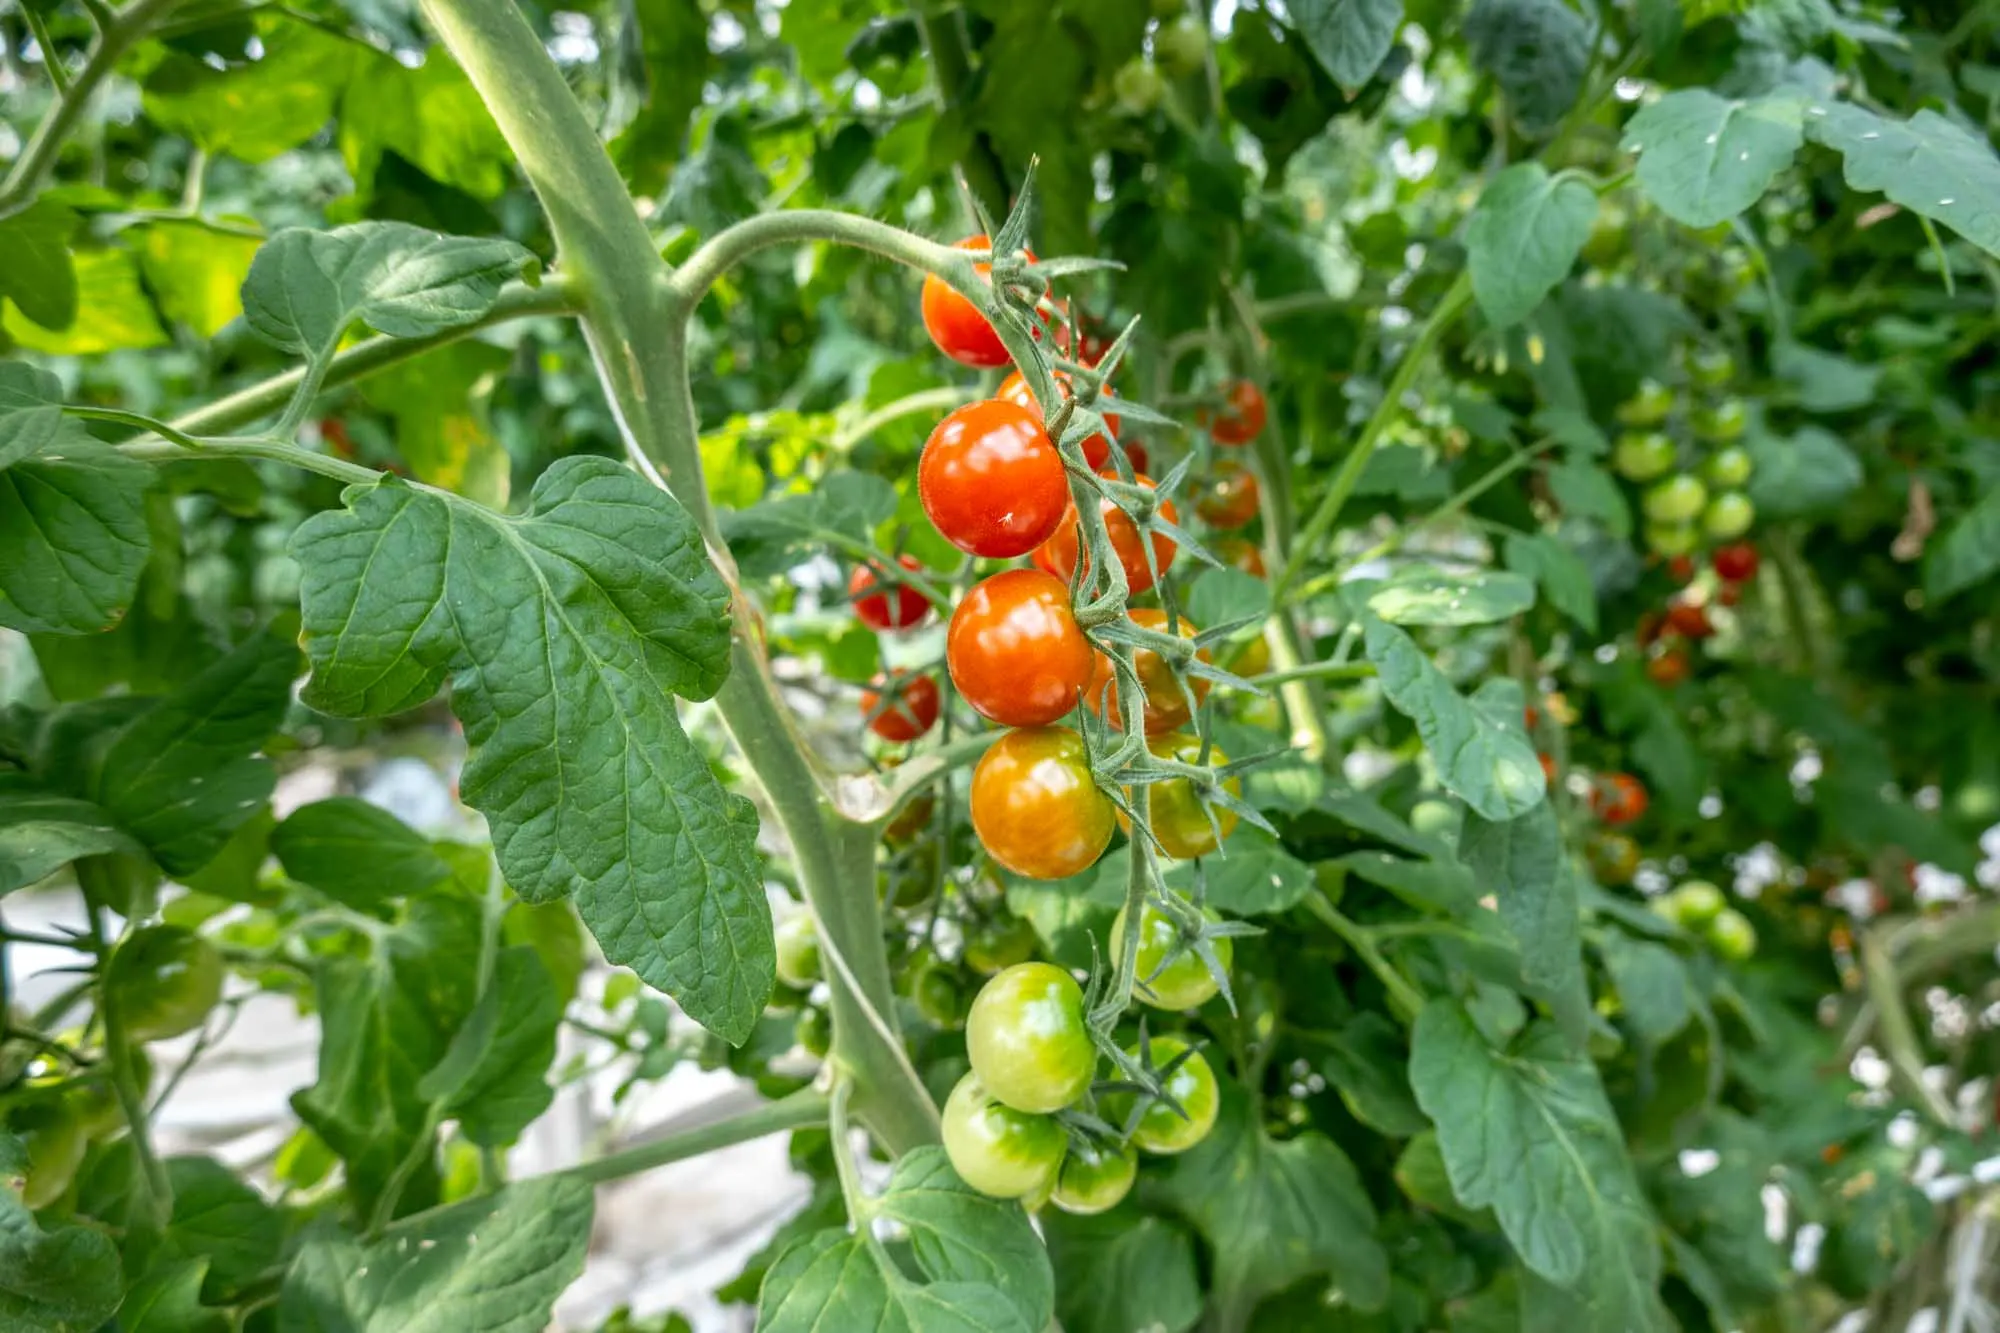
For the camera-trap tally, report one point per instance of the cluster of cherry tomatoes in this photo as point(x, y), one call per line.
point(1686, 453)
point(1665, 635)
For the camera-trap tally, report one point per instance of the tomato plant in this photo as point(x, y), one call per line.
point(588, 553)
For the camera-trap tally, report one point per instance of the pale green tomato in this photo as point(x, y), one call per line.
point(1137, 86)
point(1095, 1179)
point(1711, 367)
point(1643, 455)
point(1027, 1039)
point(997, 1150)
point(1435, 819)
point(798, 951)
point(1162, 1129)
point(1184, 983)
point(1723, 422)
point(1672, 539)
point(1678, 499)
point(1648, 407)
point(1732, 935)
point(1691, 905)
point(1181, 47)
point(1728, 468)
point(1728, 516)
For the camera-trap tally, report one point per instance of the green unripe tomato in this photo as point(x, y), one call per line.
point(1138, 86)
point(1732, 936)
point(1614, 858)
point(54, 1136)
point(1672, 539)
point(1095, 1179)
point(1027, 1039)
point(1435, 819)
point(1185, 982)
point(1648, 407)
point(1728, 516)
point(813, 1032)
point(1692, 905)
point(1723, 422)
point(1181, 47)
point(1166, 9)
point(798, 951)
point(934, 991)
point(1678, 499)
point(163, 980)
point(1729, 468)
point(1711, 367)
point(1162, 1129)
point(1001, 945)
point(1643, 455)
point(996, 1149)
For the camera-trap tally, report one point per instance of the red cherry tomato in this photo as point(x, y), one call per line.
point(1058, 555)
point(1681, 569)
point(1136, 455)
point(1652, 625)
point(1618, 798)
point(1035, 807)
point(1689, 620)
point(1015, 651)
point(1240, 554)
point(912, 710)
point(1729, 594)
point(1670, 668)
point(1548, 767)
point(1736, 562)
point(958, 329)
point(1096, 449)
point(1241, 419)
point(1166, 706)
point(895, 608)
point(992, 481)
point(1228, 499)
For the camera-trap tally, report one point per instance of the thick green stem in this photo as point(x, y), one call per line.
point(802, 1108)
point(635, 314)
point(276, 451)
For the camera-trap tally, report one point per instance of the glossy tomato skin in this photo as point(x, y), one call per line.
point(1014, 389)
point(1034, 805)
point(164, 980)
point(912, 711)
point(1238, 553)
point(1027, 1039)
point(1014, 650)
point(1689, 620)
point(1736, 563)
point(991, 480)
point(996, 1149)
point(886, 609)
point(1184, 983)
point(1163, 1130)
point(1166, 707)
point(1618, 798)
point(1179, 819)
point(958, 329)
point(1228, 499)
point(1058, 555)
point(998, 945)
point(1095, 1178)
point(798, 951)
point(1242, 417)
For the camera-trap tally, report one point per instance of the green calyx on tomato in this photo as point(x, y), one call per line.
point(1095, 1178)
point(996, 1149)
point(1643, 455)
point(163, 980)
point(1189, 1085)
point(1027, 1039)
point(798, 951)
point(1678, 499)
point(1166, 706)
point(1036, 807)
point(1168, 965)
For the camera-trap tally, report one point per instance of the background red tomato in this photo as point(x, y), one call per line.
point(1096, 449)
point(881, 608)
point(912, 710)
point(955, 325)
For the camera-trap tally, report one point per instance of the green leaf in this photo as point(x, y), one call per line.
point(62, 1281)
point(1825, 381)
point(1529, 1134)
point(771, 537)
point(1424, 596)
point(1350, 38)
point(1808, 472)
point(181, 776)
point(1365, 1063)
point(306, 288)
point(196, 272)
point(1277, 1212)
point(493, 1078)
point(440, 406)
point(1586, 490)
point(1428, 885)
point(73, 533)
point(31, 415)
point(112, 310)
point(832, 1280)
point(494, 1264)
point(1932, 166)
point(568, 629)
point(1704, 158)
point(1536, 50)
point(431, 117)
point(39, 276)
point(1121, 1271)
point(1563, 576)
point(168, 1300)
point(671, 63)
point(1652, 985)
point(1968, 553)
point(1521, 862)
point(356, 853)
point(1218, 596)
point(1253, 875)
point(41, 832)
point(1490, 768)
point(258, 110)
point(1523, 238)
point(1420, 1173)
point(221, 1222)
point(961, 1235)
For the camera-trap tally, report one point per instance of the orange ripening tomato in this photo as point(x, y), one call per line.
point(1689, 620)
point(1240, 554)
point(1228, 498)
point(955, 325)
point(1035, 807)
point(1548, 767)
point(912, 710)
point(1058, 555)
point(1241, 419)
point(1166, 707)
point(1014, 650)
point(894, 608)
point(1096, 449)
point(991, 480)
point(1681, 568)
point(1669, 668)
point(1618, 798)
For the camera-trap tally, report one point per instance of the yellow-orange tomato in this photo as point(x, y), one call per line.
point(1166, 706)
point(1036, 808)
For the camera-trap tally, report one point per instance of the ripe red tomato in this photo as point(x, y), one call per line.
point(912, 710)
point(1618, 798)
point(1015, 651)
point(1736, 562)
point(1096, 449)
point(1035, 807)
point(1548, 767)
point(1681, 569)
point(1166, 706)
point(1136, 455)
point(958, 329)
point(1729, 594)
point(1669, 668)
point(1689, 620)
point(1228, 498)
point(991, 480)
point(1240, 554)
point(1241, 419)
point(890, 609)
point(1027, 1039)
point(1058, 555)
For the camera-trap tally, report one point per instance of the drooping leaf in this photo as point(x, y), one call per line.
point(1366, 1062)
point(1563, 576)
point(1122, 1270)
point(1704, 158)
point(112, 310)
point(39, 276)
point(1520, 861)
point(1536, 50)
point(1523, 238)
point(1349, 37)
point(356, 853)
point(41, 832)
point(567, 631)
point(834, 1280)
point(961, 1235)
point(1930, 165)
point(493, 1078)
point(1807, 472)
point(73, 534)
point(1968, 553)
point(1423, 596)
point(494, 1264)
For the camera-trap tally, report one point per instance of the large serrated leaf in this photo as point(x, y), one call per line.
point(356, 853)
point(1520, 861)
point(832, 1280)
point(961, 1235)
point(1350, 37)
point(1704, 158)
point(73, 534)
point(566, 631)
point(1930, 165)
point(1121, 1271)
point(1523, 238)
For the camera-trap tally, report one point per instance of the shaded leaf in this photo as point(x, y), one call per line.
point(1122, 1270)
point(493, 1078)
point(112, 310)
point(63, 1281)
point(1536, 50)
point(1365, 1063)
point(1968, 553)
point(1350, 38)
point(1930, 165)
point(39, 276)
point(961, 1235)
point(833, 1280)
point(1564, 578)
point(1521, 862)
point(257, 110)
point(356, 853)
point(1523, 238)
point(1704, 158)
point(41, 832)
